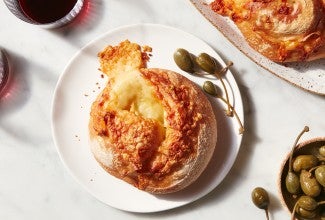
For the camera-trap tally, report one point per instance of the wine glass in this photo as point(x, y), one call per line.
point(47, 14)
point(4, 71)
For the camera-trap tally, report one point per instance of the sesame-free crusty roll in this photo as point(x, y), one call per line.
point(152, 128)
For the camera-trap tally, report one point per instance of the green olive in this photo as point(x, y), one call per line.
point(292, 183)
point(209, 88)
point(320, 175)
point(206, 63)
point(304, 162)
point(184, 60)
point(260, 198)
point(306, 207)
point(307, 203)
point(309, 184)
point(322, 151)
point(306, 213)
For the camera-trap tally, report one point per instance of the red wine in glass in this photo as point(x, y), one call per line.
point(46, 11)
point(4, 72)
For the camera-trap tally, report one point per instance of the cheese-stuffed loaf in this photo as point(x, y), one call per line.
point(283, 31)
point(152, 128)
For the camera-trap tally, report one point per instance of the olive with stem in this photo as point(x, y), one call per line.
point(306, 207)
point(188, 63)
point(261, 199)
point(304, 162)
point(210, 88)
point(309, 184)
point(210, 65)
point(319, 174)
point(292, 181)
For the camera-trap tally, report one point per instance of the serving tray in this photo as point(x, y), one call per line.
point(309, 76)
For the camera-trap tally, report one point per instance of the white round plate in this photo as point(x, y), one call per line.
point(309, 76)
point(78, 87)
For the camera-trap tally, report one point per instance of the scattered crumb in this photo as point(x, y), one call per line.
point(146, 48)
point(77, 137)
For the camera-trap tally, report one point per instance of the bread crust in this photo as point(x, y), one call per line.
point(287, 31)
point(182, 166)
point(157, 156)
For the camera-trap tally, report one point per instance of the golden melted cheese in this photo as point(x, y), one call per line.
point(132, 93)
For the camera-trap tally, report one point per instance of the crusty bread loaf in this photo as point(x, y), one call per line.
point(283, 31)
point(152, 128)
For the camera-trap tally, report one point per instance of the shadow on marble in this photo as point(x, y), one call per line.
point(274, 205)
point(307, 66)
point(18, 92)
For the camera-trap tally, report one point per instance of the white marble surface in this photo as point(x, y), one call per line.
point(34, 184)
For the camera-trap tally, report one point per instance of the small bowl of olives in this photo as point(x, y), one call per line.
point(302, 179)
